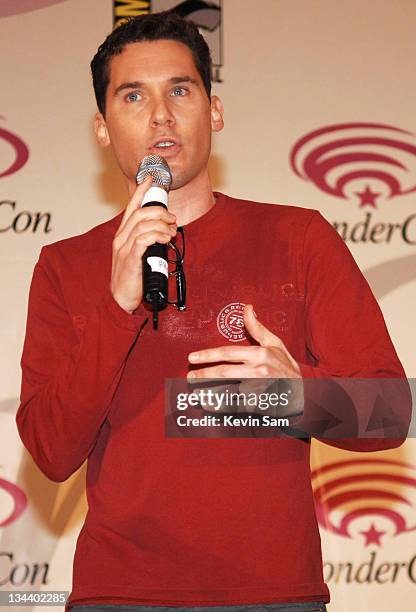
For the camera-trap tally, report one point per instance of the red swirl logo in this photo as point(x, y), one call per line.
point(25, 6)
point(19, 502)
point(363, 161)
point(378, 495)
point(20, 152)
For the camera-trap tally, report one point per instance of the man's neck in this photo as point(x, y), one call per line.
point(192, 200)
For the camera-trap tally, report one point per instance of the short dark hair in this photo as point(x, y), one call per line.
point(165, 25)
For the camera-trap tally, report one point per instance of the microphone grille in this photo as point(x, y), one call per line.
point(157, 167)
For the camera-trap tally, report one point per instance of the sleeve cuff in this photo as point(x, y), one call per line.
point(124, 319)
point(308, 371)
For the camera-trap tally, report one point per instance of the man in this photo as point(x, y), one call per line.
point(184, 523)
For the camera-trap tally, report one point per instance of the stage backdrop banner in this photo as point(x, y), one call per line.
point(319, 101)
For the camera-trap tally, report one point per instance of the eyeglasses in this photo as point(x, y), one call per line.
point(179, 271)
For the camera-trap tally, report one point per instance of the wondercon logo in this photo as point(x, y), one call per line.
point(19, 502)
point(13, 150)
point(373, 499)
point(361, 162)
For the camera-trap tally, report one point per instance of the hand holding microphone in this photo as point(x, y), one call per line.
point(155, 258)
point(146, 223)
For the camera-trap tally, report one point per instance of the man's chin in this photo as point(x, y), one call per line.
point(179, 181)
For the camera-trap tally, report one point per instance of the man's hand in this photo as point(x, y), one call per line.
point(255, 367)
point(270, 359)
point(139, 228)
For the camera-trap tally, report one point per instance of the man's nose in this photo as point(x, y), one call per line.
point(161, 113)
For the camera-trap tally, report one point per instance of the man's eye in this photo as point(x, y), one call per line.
point(179, 91)
point(133, 96)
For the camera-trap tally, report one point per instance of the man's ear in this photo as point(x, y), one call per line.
point(217, 114)
point(101, 131)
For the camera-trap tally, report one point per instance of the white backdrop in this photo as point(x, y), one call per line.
point(289, 69)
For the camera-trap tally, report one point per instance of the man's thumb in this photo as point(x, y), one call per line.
point(257, 330)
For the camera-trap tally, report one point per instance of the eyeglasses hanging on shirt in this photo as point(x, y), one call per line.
point(178, 248)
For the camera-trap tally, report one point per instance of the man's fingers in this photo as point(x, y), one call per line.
point(255, 385)
point(150, 213)
point(143, 220)
point(136, 200)
point(140, 243)
point(135, 205)
point(225, 371)
point(257, 330)
point(147, 226)
point(211, 402)
point(231, 354)
point(266, 338)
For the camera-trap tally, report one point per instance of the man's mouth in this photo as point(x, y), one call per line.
point(165, 147)
point(165, 144)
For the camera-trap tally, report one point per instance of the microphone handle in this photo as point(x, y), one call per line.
point(155, 274)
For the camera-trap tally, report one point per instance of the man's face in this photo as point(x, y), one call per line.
point(156, 104)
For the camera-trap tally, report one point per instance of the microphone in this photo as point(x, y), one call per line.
point(155, 258)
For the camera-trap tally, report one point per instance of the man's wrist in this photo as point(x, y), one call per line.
point(130, 320)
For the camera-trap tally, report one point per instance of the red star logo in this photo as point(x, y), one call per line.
point(372, 535)
point(367, 197)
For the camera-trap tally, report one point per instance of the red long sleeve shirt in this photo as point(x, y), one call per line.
point(188, 522)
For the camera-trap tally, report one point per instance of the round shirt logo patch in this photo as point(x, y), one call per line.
point(230, 322)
